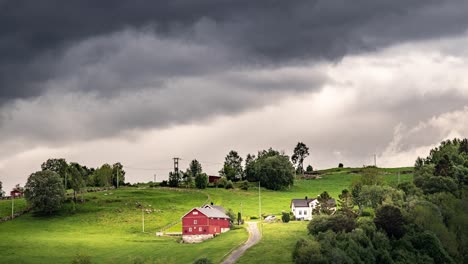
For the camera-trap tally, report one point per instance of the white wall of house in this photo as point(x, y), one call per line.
point(304, 213)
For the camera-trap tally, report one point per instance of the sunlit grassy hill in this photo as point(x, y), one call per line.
point(108, 227)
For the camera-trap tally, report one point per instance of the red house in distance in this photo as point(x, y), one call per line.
point(203, 223)
point(16, 194)
point(213, 179)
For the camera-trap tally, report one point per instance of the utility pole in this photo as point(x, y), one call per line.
point(375, 160)
point(12, 206)
point(398, 177)
point(176, 165)
point(143, 218)
point(118, 170)
point(155, 178)
point(260, 208)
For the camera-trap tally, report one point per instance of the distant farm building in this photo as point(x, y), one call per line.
point(303, 208)
point(16, 194)
point(213, 179)
point(203, 223)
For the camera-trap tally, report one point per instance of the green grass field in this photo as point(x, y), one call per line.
point(108, 226)
point(278, 240)
point(5, 206)
point(274, 202)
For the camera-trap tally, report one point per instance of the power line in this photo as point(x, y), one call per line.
point(148, 169)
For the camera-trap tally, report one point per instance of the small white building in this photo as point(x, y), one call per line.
point(302, 208)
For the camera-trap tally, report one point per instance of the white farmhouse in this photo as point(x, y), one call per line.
point(302, 208)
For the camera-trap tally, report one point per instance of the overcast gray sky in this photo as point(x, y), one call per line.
point(143, 81)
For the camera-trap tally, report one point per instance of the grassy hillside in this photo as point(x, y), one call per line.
point(278, 241)
point(273, 202)
point(108, 227)
point(5, 206)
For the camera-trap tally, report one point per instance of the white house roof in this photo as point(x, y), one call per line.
point(306, 202)
point(301, 202)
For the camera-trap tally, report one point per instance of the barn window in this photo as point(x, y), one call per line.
point(200, 229)
point(195, 212)
point(190, 229)
point(194, 222)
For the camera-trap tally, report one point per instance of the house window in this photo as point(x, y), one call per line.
point(300, 212)
point(194, 222)
point(195, 213)
point(190, 229)
point(305, 212)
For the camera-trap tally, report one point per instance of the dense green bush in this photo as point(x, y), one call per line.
point(285, 217)
point(229, 185)
point(424, 222)
point(44, 191)
point(336, 223)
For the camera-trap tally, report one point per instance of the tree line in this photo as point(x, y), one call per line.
point(424, 221)
point(273, 169)
point(45, 190)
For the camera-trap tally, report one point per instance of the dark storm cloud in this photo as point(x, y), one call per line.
point(35, 34)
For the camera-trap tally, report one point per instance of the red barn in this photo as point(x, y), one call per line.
point(213, 179)
point(16, 194)
point(202, 223)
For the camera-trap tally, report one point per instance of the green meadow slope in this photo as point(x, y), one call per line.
point(108, 226)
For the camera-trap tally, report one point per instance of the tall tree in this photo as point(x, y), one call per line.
point(103, 176)
point(76, 178)
point(118, 173)
point(192, 173)
point(249, 171)
point(463, 146)
point(371, 176)
point(201, 180)
point(195, 168)
point(274, 172)
point(60, 166)
point(325, 204)
point(390, 219)
point(1, 191)
point(232, 168)
point(346, 202)
point(174, 179)
point(44, 191)
point(444, 167)
point(301, 151)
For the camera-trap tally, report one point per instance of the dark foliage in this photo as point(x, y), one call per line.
point(390, 219)
point(285, 217)
point(336, 223)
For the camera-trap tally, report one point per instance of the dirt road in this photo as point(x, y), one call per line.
point(254, 237)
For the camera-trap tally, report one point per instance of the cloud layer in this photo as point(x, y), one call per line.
point(114, 80)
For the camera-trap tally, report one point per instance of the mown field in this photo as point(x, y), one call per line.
point(108, 226)
point(5, 206)
point(277, 243)
point(273, 202)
